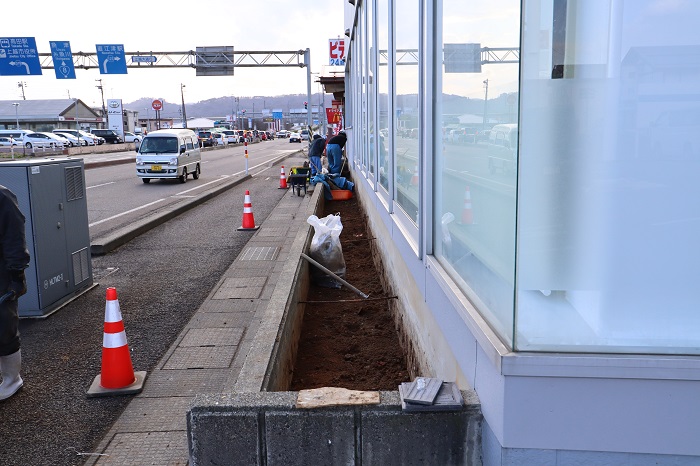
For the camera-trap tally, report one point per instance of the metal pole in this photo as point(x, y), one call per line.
point(102, 93)
point(184, 113)
point(355, 290)
point(486, 100)
point(307, 60)
point(245, 144)
point(16, 105)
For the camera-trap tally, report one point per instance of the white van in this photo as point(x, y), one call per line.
point(503, 148)
point(16, 134)
point(169, 153)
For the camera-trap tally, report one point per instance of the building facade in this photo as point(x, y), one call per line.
point(530, 167)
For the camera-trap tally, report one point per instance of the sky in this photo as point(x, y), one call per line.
point(267, 26)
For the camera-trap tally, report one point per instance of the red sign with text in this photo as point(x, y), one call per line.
point(333, 115)
point(336, 52)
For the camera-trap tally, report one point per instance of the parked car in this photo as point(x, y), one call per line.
point(60, 141)
point(109, 135)
point(79, 134)
point(219, 139)
point(99, 139)
point(71, 140)
point(7, 141)
point(39, 140)
point(205, 139)
point(230, 135)
point(131, 137)
point(295, 137)
point(74, 139)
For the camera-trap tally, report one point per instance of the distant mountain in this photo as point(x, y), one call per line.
point(222, 106)
point(503, 105)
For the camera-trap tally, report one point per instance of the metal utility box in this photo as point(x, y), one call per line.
point(52, 196)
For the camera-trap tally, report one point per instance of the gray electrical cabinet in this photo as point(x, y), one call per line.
point(52, 196)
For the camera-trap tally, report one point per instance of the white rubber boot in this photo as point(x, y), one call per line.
point(11, 381)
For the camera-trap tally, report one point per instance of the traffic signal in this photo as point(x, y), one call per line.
point(306, 105)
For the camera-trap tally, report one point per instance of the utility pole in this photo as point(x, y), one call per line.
point(486, 102)
point(21, 85)
point(16, 105)
point(184, 113)
point(102, 93)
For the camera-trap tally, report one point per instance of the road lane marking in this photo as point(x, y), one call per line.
point(98, 185)
point(125, 213)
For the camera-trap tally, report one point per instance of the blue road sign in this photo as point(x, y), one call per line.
point(19, 56)
point(143, 59)
point(111, 58)
point(277, 115)
point(62, 60)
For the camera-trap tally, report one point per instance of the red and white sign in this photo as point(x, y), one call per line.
point(157, 104)
point(336, 49)
point(333, 115)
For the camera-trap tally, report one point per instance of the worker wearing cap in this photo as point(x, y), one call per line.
point(334, 151)
point(14, 258)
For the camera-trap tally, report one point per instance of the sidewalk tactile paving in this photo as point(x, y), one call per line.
point(266, 253)
point(155, 414)
point(221, 319)
point(216, 306)
point(188, 382)
point(203, 357)
point(274, 232)
point(153, 448)
point(237, 288)
point(212, 337)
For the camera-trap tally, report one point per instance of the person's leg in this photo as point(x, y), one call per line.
point(10, 355)
point(334, 156)
point(315, 165)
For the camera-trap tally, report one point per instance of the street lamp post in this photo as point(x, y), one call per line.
point(184, 113)
point(16, 105)
point(102, 94)
point(148, 119)
point(486, 101)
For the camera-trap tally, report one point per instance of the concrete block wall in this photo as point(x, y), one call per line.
point(267, 429)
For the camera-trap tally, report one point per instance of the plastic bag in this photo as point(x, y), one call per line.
point(326, 249)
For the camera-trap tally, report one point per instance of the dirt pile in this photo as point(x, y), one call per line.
point(347, 341)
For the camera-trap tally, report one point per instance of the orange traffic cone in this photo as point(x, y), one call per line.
point(117, 376)
point(248, 219)
point(414, 178)
point(467, 214)
point(283, 179)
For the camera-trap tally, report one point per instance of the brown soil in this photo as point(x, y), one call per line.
point(353, 344)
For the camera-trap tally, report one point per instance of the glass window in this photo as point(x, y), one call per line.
point(476, 150)
point(371, 86)
point(407, 116)
point(608, 209)
point(382, 76)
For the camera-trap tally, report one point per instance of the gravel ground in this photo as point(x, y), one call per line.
point(161, 278)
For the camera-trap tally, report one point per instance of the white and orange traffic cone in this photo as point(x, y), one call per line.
point(248, 218)
point(467, 213)
point(283, 179)
point(117, 376)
